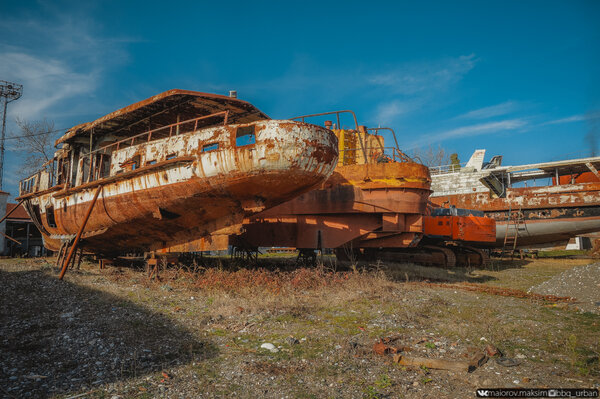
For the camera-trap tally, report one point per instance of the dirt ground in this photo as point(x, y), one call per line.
point(114, 334)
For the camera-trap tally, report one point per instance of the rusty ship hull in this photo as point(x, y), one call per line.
point(381, 205)
point(185, 191)
point(534, 216)
point(540, 216)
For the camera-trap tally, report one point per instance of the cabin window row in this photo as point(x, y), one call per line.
point(98, 166)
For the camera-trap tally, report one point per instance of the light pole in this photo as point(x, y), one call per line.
point(9, 92)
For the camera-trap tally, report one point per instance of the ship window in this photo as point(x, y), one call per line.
point(131, 164)
point(210, 147)
point(171, 156)
point(151, 162)
point(245, 136)
point(50, 216)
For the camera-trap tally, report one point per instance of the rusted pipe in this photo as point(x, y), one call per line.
point(330, 113)
point(377, 129)
point(65, 264)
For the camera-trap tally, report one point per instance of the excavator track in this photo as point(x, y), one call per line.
point(428, 255)
point(471, 257)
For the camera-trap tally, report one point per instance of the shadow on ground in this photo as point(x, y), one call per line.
point(497, 264)
point(57, 337)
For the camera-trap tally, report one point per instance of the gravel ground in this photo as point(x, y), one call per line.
point(60, 337)
point(112, 334)
point(582, 283)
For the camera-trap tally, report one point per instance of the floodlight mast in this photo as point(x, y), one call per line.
point(9, 92)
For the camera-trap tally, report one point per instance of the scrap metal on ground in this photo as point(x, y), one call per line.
point(385, 347)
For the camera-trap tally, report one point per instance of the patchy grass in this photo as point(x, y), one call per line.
point(524, 274)
point(562, 253)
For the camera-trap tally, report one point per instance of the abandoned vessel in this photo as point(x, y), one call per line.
point(534, 205)
point(374, 206)
point(176, 172)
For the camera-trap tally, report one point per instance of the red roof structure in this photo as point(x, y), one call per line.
point(18, 214)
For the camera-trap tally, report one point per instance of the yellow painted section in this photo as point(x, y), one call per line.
point(387, 182)
point(352, 152)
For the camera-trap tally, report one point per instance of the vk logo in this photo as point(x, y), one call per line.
point(482, 393)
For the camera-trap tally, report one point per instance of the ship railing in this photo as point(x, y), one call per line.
point(445, 169)
point(28, 185)
point(175, 129)
point(397, 154)
point(336, 113)
point(96, 162)
point(397, 151)
point(43, 179)
point(338, 126)
point(376, 154)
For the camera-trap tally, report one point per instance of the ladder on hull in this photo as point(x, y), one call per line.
point(69, 249)
point(510, 240)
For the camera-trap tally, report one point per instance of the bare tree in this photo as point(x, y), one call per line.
point(35, 139)
point(432, 156)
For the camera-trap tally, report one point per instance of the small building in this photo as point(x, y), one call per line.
point(20, 227)
point(3, 198)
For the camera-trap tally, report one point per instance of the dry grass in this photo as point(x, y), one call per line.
point(233, 290)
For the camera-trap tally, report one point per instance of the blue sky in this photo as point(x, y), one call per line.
point(519, 78)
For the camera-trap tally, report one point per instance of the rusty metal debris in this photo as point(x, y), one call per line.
point(507, 361)
point(492, 351)
point(384, 346)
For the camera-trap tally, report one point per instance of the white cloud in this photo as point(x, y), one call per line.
point(46, 82)
point(491, 111)
point(56, 58)
point(388, 112)
point(416, 78)
point(392, 92)
point(406, 89)
point(470, 130)
point(575, 118)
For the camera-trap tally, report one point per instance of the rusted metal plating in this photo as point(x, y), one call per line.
point(369, 201)
point(546, 215)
